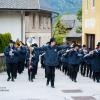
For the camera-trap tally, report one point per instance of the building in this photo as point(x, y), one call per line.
point(71, 22)
point(26, 18)
point(91, 23)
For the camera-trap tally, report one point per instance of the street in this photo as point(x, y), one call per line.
point(65, 89)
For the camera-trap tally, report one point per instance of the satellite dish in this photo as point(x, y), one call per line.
point(31, 41)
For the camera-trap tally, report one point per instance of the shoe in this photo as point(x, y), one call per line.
point(47, 83)
point(32, 80)
point(15, 77)
point(12, 80)
point(83, 75)
point(89, 76)
point(45, 76)
point(8, 79)
point(98, 81)
point(34, 77)
point(53, 86)
point(75, 81)
point(29, 79)
point(86, 75)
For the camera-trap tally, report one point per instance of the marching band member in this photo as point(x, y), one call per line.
point(11, 55)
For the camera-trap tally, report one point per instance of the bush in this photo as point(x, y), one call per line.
point(4, 41)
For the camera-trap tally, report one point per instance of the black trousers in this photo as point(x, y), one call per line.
point(74, 71)
point(65, 68)
point(50, 72)
point(96, 76)
point(21, 65)
point(15, 70)
point(36, 68)
point(11, 70)
point(31, 74)
point(89, 70)
point(83, 68)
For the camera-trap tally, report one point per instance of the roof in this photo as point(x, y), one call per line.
point(69, 17)
point(68, 21)
point(25, 4)
point(73, 33)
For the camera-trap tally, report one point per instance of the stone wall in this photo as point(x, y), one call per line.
point(2, 63)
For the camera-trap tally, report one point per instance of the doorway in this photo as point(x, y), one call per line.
point(90, 41)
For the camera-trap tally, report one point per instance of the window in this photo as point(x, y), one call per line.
point(33, 21)
point(40, 21)
point(27, 13)
point(44, 22)
point(49, 23)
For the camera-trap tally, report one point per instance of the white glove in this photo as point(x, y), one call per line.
point(11, 53)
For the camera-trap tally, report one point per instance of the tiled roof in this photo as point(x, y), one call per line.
point(24, 4)
point(67, 21)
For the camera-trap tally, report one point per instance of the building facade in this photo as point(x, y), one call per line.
point(25, 19)
point(91, 23)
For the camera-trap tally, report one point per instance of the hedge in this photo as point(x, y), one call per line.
point(4, 41)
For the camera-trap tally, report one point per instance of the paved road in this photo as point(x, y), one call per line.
point(65, 89)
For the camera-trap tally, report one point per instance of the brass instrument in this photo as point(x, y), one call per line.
point(30, 41)
point(18, 44)
point(91, 53)
point(68, 51)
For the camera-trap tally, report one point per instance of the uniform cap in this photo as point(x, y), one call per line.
point(52, 40)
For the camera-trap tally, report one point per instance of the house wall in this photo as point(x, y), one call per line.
point(91, 20)
point(11, 22)
point(22, 27)
point(38, 24)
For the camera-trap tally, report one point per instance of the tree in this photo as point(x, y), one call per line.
point(60, 28)
point(79, 29)
point(79, 15)
point(59, 32)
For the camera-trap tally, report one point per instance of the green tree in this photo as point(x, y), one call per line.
point(59, 32)
point(60, 28)
point(79, 29)
point(79, 15)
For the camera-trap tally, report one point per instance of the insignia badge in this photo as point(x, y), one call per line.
point(55, 50)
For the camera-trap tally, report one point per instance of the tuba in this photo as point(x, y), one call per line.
point(30, 41)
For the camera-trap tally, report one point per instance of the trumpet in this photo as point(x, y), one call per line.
point(91, 53)
point(68, 51)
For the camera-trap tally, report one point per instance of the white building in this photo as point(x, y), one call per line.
point(26, 18)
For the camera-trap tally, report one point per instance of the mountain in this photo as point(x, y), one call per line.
point(65, 6)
